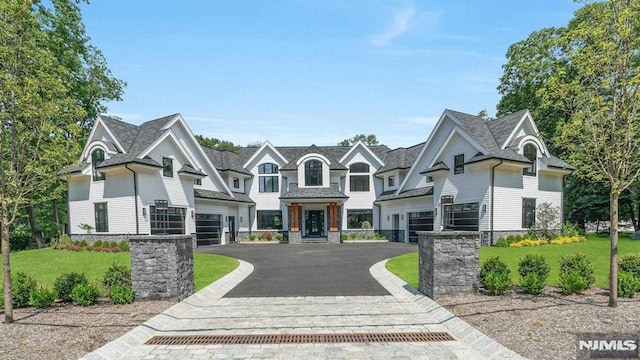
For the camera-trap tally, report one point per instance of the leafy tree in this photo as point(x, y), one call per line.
point(602, 44)
point(547, 219)
point(216, 143)
point(256, 143)
point(370, 139)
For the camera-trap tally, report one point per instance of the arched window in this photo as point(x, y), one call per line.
point(267, 168)
point(531, 153)
point(313, 173)
point(97, 156)
point(359, 168)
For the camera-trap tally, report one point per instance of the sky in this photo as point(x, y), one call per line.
point(304, 72)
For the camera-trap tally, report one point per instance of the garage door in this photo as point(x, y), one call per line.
point(208, 228)
point(419, 221)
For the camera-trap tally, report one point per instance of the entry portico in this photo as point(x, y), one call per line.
point(314, 213)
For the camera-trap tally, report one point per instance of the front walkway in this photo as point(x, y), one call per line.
point(208, 313)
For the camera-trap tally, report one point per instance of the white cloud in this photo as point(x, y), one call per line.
point(401, 24)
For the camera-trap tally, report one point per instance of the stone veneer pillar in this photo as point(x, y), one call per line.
point(448, 262)
point(295, 237)
point(333, 237)
point(162, 266)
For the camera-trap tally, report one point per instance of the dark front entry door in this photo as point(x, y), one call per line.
point(314, 223)
point(232, 229)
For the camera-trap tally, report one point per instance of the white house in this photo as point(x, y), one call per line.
point(470, 174)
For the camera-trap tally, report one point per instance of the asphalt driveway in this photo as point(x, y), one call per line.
point(309, 269)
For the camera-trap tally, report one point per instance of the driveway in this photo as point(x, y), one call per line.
point(309, 269)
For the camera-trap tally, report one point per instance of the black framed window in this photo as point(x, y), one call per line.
point(167, 167)
point(267, 168)
point(236, 183)
point(359, 182)
point(528, 213)
point(458, 164)
point(169, 221)
point(197, 181)
point(313, 173)
point(97, 156)
point(269, 219)
point(531, 153)
point(463, 217)
point(391, 181)
point(268, 183)
point(359, 168)
point(355, 218)
point(102, 217)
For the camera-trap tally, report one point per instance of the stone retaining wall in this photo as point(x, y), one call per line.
point(162, 266)
point(449, 262)
point(92, 238)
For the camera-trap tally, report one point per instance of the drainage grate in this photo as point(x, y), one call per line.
point(298, 338)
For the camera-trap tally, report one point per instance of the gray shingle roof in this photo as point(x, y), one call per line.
point(554, 162)
point(329, 152)
point(503, 126)
point(437, 167)
point(225, 160)
point(217, 195)
point(400, 158)
point(477, 128)
point(121, 159)
point(504, 154)
point(124, 132)
point(188, 169)
point(148, 133)
point(296, 192)
point(390, 195)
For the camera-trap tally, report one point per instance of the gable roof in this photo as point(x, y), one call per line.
point(400, 158)
point(328, 152)
point(503, 126)
point(225, 160)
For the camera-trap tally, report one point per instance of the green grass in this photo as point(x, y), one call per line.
point(45, 265)
point(596, 248)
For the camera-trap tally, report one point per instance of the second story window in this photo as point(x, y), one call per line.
point(97, 156)
point(392, 181)
point(359, 182)
point(458, 164)
point(268, 183)
point(313, 173)
point(167, 167)
point(197, 181)
point(531, 153)
point(236, 183)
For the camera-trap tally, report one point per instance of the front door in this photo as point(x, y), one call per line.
point(232, 229)
point(314, 223)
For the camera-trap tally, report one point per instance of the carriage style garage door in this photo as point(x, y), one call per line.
point(208, 228)
point(419, 221)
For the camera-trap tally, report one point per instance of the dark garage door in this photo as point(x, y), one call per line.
point(208, 228)
point(419, 221)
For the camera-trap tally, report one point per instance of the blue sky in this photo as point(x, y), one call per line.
point(300, 72)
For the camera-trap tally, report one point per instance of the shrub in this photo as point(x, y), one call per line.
point(98, 243)
point(502, 242)
point(65, 283)
point(532, 283)
point(353, 236)
point(116, 275)
point(563, 239)
point(83, 244)
point(62, 242)
point(121, 294)
point(628, 284)
point(573, 283)
point(279, 237)
point(580, 264)
point(631, 264)
point(534, 264)
point(252, 238)
point(124, 245)
point(42, 297)
point(493, 265)
point(497, 282)
point(570, 229)
point(529, 242)
point(84, 294)
point(21, 287)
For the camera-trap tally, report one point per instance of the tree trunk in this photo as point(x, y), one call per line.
point(613, 264)
point(35, 230)
point(6, 269)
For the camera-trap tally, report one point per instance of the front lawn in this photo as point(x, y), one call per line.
point(596, 248)
point(45, 265)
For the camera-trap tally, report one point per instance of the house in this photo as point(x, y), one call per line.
point(156, 178)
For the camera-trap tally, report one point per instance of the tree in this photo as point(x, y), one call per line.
point(547, 219)
point(370, 139)
point(216, 143)
point(602, 138)
point(38, 118)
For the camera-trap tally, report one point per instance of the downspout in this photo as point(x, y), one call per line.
point(493, 177)
point(135, 197)
point(379, 216)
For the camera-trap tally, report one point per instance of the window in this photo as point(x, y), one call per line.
point(429, 179)
point(102, 218)
point(236, 183)
point(458, 164)
point(197, 181)
point(528, 213)
point(355, 218)
point(170, 221)
point(461, 216)
point(167, 167)
point(269, 219)
point(359, 168)
point(268, 183)
point(97, 156)
point(391, 181)
point(531, 153)
point(313, 173)
point(359, 183)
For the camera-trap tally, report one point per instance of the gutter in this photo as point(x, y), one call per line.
point(493, 177)
point(135, 197)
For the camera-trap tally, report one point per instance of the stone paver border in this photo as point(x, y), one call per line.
point(119, 347)
point(459, 328)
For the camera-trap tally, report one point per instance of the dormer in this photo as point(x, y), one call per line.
point(313, 170)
